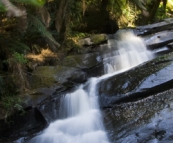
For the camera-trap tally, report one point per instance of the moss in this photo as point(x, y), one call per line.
point(42, 76)
point(98, 38)
point(48, 76)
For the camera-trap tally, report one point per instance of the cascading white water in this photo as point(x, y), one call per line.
point(82, 123)
point(82, 120)
point(130, 51)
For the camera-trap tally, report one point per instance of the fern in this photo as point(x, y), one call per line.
point(18, 46)
point(37, 23)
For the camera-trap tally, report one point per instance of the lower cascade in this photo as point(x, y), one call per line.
point(81, 117)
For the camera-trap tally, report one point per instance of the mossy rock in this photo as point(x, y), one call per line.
point(48, 76)
point(85, 61)
point(95, 39)
point(98, 39)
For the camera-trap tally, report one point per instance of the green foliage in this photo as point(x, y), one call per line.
point(161, 13)
point(124, 12)
point(71, 47)
point(76, 13)
point(5, 87)
point(36, 23)
point(11, 103)
point(37, 3)
point(78, 35)
point(164, 12)
point(18, 46)
point(2, 7)
point(19, 58)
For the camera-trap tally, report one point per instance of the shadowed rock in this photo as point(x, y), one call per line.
point(22, 125)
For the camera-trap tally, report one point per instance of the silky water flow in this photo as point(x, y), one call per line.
point(82, 122)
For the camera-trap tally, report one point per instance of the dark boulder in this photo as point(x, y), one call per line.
point(22, 124)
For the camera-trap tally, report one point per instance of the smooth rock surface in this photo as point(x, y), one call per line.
point(158, 39)
point(150, 78)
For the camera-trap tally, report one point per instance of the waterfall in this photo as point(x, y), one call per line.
point(82, 121)
point(127, 51)
point(81, 117)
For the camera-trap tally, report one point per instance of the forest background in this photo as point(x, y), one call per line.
point(43, 32)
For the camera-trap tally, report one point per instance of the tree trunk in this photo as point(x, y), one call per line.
point(154, 10)
point(61, 15)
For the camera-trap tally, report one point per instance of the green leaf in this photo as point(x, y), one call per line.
point(38, 3)
point(2, 7)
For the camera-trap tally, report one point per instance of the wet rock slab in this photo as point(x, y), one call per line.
point(145, 121)
point(147, 79)
point(159, 39)
point(166, 24)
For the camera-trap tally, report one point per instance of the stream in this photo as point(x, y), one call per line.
point(80, 116)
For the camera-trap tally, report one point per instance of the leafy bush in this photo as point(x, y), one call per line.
point(11, 103)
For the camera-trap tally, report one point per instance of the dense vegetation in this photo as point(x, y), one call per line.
point(38, 32)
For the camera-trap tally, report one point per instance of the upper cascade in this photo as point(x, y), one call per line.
point(127, 51)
